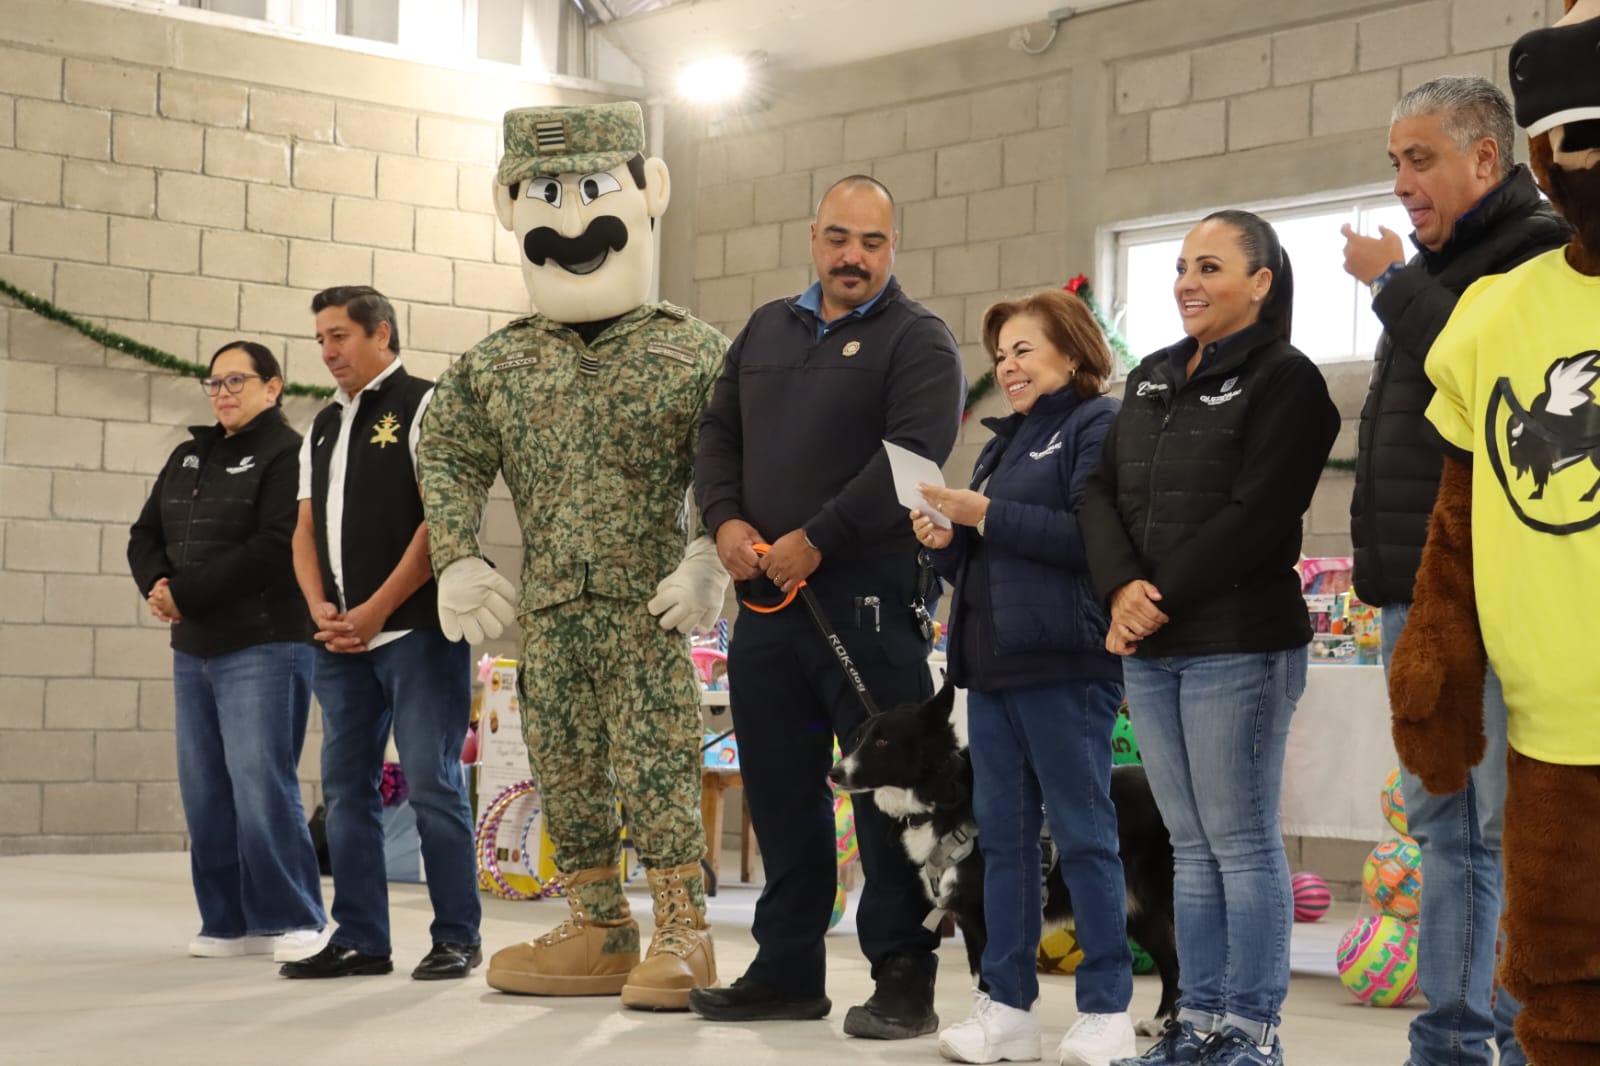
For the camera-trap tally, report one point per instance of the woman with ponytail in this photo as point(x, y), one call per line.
point(1192, 527)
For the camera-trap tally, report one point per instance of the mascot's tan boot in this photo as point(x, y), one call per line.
point(589, 954)
point(680, 956)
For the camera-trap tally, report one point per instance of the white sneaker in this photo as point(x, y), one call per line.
point(1097, 1039)
point(993, 1032)
point(299, 944)
point(230, 947)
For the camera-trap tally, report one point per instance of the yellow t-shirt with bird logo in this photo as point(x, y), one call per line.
point(1518, 376)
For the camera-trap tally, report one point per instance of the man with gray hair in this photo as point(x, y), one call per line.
point(1475, 212)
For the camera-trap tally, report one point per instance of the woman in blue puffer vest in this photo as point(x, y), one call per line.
point(1027, 641)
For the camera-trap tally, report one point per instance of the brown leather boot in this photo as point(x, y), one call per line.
point(681, 956)
point(589, 954)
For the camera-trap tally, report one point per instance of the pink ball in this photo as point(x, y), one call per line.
point(469, 749)
point(1312, 897)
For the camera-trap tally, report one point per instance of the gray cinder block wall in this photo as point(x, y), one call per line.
point(186, 183)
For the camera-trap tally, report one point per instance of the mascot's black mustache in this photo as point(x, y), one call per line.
point(850, 272)
point(605, 234)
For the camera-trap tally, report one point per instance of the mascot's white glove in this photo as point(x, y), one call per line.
point(691, 596)
point(475, 602)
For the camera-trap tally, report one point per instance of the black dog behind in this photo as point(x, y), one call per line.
point(914, 761)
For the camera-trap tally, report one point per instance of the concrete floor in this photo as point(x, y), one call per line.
point(93, 971)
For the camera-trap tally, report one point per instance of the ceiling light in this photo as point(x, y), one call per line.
point(710, 80)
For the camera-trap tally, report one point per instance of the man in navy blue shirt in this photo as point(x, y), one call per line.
point(791, 455)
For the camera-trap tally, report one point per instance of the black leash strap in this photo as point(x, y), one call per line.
point(835, 645)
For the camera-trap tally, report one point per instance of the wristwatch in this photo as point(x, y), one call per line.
point(981, 521)
point(1376, 285)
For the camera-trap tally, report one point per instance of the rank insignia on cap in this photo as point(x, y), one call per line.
point(551, 137)
point(851, 349)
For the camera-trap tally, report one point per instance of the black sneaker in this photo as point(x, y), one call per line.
point(901, 1005)
point(749, 1001)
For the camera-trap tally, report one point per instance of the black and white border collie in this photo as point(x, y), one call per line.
point(914, 761)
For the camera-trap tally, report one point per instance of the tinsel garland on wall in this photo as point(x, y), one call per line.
point(128, 346)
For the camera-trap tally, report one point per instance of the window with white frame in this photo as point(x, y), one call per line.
point(1333, 317)
point(552, 36)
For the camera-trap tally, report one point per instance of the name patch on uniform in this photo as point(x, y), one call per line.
point(671, 351)
point(514, 362)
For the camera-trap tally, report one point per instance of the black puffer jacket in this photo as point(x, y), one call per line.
point(218, 526)
point(1200, 489)
point(1399, 454)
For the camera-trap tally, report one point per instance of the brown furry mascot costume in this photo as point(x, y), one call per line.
point(1511, 572)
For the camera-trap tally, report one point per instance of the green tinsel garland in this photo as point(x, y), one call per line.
point(128, 346)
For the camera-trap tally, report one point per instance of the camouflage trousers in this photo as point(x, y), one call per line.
point(610, 709)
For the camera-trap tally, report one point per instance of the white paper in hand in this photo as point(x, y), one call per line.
point(910, 470)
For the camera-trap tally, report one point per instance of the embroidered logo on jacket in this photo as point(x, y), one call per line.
point(1148, 388)
point(1224, 394)
point(1542, 441)
point(383, 432)
point(191, 462)
point(1050, 448)
point(246, 463)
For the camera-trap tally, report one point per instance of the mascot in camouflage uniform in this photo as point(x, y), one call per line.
point(1511, 571)
point(590, 409)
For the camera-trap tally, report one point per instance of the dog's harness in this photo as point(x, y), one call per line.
point(949, 851)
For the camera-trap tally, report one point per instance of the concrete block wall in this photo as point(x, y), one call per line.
point(1007, 167)
point(186, 183)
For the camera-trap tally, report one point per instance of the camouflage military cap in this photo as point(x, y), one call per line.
point(558, 140)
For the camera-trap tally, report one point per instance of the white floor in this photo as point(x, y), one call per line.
point(93, 971)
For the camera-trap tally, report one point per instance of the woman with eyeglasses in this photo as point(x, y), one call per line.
point(211, 554)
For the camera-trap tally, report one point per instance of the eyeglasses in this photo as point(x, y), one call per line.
point(233, 382)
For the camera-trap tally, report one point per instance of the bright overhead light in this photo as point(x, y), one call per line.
point(711, 80)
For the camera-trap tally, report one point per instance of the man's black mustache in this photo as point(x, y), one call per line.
point(850, 272)
point(608, 233)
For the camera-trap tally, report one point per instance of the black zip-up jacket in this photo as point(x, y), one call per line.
point(218, 526)
point(793, 435)
point(1201, 487)
point(1399, 454)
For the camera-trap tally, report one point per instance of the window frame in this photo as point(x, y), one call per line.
point(1112, 241)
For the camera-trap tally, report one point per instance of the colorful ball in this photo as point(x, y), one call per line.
point(1393, 802)
point(1142, 962)
point(1124, 745)
point(844, 829)
point(1312, 897)
point(1392, 878)
point(1059, 952)
point(1377, 960)
point(838, 906)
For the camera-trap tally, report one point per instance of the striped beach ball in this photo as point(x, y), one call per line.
point(1393, 801)
point(1377, 960)
point(839, 900)
point(1312, 897)
point(1392, 879)
point(844, 829)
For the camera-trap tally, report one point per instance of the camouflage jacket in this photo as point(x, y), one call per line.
point(598, 463)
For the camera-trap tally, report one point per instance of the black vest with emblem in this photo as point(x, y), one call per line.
point(382, 507)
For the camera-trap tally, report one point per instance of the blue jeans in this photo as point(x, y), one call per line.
point(1459, 835)
point(1212, 730)
point(420, 685)
point(241, 720)
point(1049, 743)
